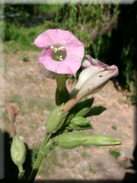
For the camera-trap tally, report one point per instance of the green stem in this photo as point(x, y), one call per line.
point(21, 174)
point(40, 157)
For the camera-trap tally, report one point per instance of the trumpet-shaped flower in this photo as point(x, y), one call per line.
point(62, 52)
point(91, 67)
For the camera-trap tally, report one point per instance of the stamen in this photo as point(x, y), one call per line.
point(58, 52)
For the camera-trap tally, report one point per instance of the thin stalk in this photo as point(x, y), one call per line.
point(38, 162)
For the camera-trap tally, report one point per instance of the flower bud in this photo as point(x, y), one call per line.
point(102, 140)
point(91, 66)
point(71, 140)
point(18, 151)
point(74, 139)
point(77, 127)
point(54, 120)
point(80, 121)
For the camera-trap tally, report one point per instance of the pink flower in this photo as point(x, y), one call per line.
point(94, 69)
point(62, 52)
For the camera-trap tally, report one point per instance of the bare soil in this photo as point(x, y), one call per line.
point(23, 83)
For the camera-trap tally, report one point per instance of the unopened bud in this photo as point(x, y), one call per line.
point(80, 121)
point(54, 120)
point(74, 139)
point(18, 151)
point(71, 140)
point(102, 140)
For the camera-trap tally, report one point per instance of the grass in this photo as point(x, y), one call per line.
point(25, 58)
point(114, 127)
point(84, 154)
point(92, 169)
point(16, 99)
point(115, 152)
point(39, 104)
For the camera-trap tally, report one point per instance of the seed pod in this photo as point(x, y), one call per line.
point(18, 151)
point(54, 119)
point(71, 140)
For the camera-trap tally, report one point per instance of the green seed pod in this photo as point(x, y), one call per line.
point(80, 121)
point(54, 119)
point(102, 140)
point(18, 151)
point(71, 140)
point(82, 108)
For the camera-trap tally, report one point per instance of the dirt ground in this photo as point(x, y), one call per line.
point(23, 83)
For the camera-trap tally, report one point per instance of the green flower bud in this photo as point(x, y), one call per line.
point(80, 121)
point(71, 140)
point(18, 151)
point(76, 127)
point(82, 108)
point(102, 140)
point(54, 120)
point(74, 139)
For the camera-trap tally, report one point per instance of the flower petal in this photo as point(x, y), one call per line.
point(93, 62)
point(52, 35)
point(68, 66)
point(75, 47)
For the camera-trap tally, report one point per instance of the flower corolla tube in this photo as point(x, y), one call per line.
point(62, 52)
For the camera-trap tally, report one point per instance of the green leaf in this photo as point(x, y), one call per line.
point(96, 110)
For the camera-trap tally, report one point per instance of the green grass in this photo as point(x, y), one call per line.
point(92, 169)
point(25, 58)
point(84, 154)
point(115, 152)
point(114, 127)
point(16, 98)
point(39, 104)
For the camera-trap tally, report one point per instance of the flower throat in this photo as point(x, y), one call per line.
point(58, 53)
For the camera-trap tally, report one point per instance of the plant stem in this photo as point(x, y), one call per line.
point(40, 157)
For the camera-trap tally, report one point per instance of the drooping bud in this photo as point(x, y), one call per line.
point(91, 66)
point(54, 120)
point(71, 140)
point(18, 152)
point(102, 140)
point(92, 85)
